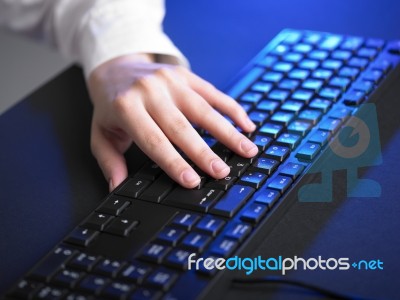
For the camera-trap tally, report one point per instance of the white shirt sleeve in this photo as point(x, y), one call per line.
point(92, 32)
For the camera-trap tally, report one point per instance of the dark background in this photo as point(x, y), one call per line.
point(49, 181)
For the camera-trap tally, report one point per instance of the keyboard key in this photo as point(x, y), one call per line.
point(382, 64)
point(342, 55)
point(375, 43)
point(280, 183)
point(133, 187)
point(262, 142)
point(162, 279)
point(364, 86)
point(372, 75)
point(121, 226)
point(340, 82)
point(352, 43)
point(282, 67)
point(146, 294)
point(318, 55)
point(299, 127)
point(253, 179)
point(293, 57)
point(278, 95)
point(67, 278)
point(246, 106)
point(84, 262)
point(308, 151)
point(282, 117)
point(221, 184)
point(98, 221)
point(353, 97)
point(267, 105)
point(302, 95)
point(210, 141)
point(238, 231)
point(258, 117)
point(82, 236)
point(320, 137)
point(185, 220)
point(312, 38)
point(273, 130)
point(278, 153)
point(47, 292)
point(116, 290)
point(114, 206)
point(289, 84)
point(251, 97)
point(108, 267)
point(322, 74)
point(309, 64)
point(280, 50)
point(321, 104)
point(25, 289)
point(210, 225)
point(351, 73)
point(302, 48)
point(254, 212)
point(265, 165)
point(299, 74)
point(178, 258)
point(93, 284)
point(332, 64)
point(368, 53)
point(196, 241)
point(312, 84)
point(261, 87)
point(267, 197)
point(331, 125)
point(134, 272)
point(224, 247)
point(292, 38)
point(311, 115)
point(170, 236)
point(150, 171)
point(273, 77)
point(231, 202)
point(199, 200)
point(332, 94)
point(340, 113)
point(292, 170)
point(293, 106)
point(47, 268)
point(154, 252)
point(358, 62)
point(222, 151)
point(159, 189)
point(237, 165)
point(330, 43)
point(289, 140)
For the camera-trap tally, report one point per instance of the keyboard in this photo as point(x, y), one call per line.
point(300, 91)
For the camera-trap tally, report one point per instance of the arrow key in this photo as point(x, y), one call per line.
point(81, 236)
point(113, 206)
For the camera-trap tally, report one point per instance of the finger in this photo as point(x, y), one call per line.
point(152, 141)
point(110, 159)
point(198, 111)
point(179, 130)
point(220, 101)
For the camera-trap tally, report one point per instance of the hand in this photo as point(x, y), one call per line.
point(153, 105)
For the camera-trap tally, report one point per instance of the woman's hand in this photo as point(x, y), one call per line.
point(153, 105)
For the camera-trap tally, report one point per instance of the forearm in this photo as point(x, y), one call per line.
point(92, 32)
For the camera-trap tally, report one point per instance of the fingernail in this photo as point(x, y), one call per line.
point(248, 147)
point(218, 166)
point(190, 177)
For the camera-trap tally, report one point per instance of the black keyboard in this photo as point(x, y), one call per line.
point(300, 90)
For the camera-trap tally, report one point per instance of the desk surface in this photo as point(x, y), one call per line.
point(49, 180)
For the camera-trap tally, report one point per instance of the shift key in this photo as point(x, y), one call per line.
point(234, 199)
